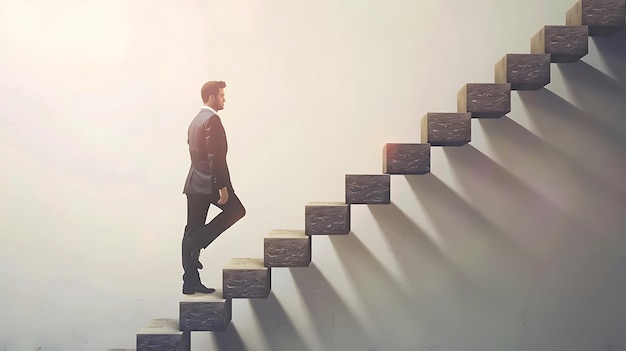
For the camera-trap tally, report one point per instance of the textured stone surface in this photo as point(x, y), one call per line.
point(524, 71)
point(205, 312)
point(246, 278)
point(163, 335)
point(563, 43)
point(604, 17)
point(368, 189)
point(484, 100)
point(121, 349)
point(287, 248)
point(406, 158)
point(327, 218)
point(446, 129)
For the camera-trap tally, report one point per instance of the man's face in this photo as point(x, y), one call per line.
point(218, 102)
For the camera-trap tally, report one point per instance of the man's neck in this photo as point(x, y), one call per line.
point(207, 107)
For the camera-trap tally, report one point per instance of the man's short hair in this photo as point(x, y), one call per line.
point(211, 88)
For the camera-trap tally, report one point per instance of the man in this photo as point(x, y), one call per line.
point(208, 182)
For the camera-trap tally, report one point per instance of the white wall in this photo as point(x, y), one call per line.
point(512, 243)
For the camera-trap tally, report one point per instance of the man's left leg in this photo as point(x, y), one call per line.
point(232, 211)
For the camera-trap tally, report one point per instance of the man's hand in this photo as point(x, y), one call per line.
point(223, 196)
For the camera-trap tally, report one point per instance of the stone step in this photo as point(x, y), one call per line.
point(287, 248)
point(327, 218)
point(446, 129)
point(604, 17)
point(246, 278)
point(368, 189)
point(406, 158)
point(524, 71)
point(163, 335)
point(563, 43)
point(484, 100)
point(205, 312)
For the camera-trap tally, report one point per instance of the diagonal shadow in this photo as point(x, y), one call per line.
point(553, 174)
point(601, 96)
point(375, 286)
point(612, 51)
point(453, 216)
point(423, 263)
point(279, 331)
point(525, 215)
point(326, 309)
point(591, 145)
point(472, 240)
point(229, 339)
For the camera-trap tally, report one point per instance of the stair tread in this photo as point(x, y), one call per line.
point(327, 204)
point(246, 263)
point(288, 234)
point(161, 326)
point(217, 296)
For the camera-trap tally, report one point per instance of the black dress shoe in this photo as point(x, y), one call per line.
point(189, 289)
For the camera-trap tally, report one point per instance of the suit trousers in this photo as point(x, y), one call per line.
point(198, 234)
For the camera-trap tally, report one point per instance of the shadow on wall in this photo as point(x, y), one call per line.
point(472, 241)
point(612, 51)
point(228, 339)
point(601, 96)
point(335, 325)
point(525, 216)
point(592, 145)
point(423, 260)
point(279, 331)
point(375, 286)
point(569, 186)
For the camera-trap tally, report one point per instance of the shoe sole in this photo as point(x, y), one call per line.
point(198, 292)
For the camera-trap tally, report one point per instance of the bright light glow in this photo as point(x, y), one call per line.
point(98, 31)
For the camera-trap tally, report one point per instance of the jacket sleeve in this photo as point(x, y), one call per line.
point(216, 151)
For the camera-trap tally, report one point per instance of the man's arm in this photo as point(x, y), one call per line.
point(216, 152)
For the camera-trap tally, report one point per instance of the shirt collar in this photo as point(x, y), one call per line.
point(205, 107)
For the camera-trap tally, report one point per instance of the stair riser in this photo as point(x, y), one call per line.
point(368, 189)
point(205, 316)
point(446, 129)
point(604, 17)
point(565, 44)
point(287, 252)
point(163, 335)
point(524, 71)
point(163, 343)
point(327, 220)
point(406, 158)
point(484, 100)
point(240, 284)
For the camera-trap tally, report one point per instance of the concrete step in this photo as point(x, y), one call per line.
point(246, 278)
point(205, 312)
point(163, 335)
point(524, 71)
point(287, 248)
point(446, 129)
point(563, 43)
point(327, 218)
point(484, 100)
point(368, 189)
point(604, 17)
point(406, 158)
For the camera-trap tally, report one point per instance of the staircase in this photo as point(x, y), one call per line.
point(247, 278)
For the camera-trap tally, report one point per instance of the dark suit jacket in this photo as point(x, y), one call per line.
point(207, 147)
